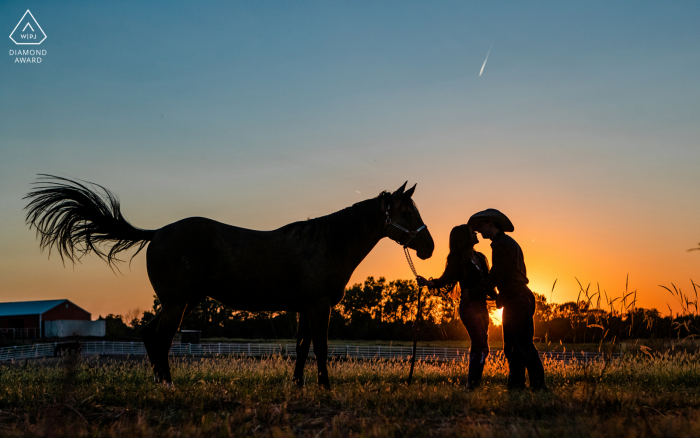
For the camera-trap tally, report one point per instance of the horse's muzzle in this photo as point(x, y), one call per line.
point(423, 255)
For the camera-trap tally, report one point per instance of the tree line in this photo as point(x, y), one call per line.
point(386, 310)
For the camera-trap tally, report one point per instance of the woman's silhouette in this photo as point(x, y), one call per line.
point(468, 267)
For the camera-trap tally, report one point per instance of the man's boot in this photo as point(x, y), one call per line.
point(516, 375)
point(476, 370)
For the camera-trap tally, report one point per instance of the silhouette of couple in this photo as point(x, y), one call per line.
point(470, 269)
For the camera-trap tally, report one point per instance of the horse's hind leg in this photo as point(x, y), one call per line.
point(303, 344)
point(319, 318)
point(159, 334)
point(148, 333)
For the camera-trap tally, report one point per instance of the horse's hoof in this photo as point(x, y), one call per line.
point(165, 383)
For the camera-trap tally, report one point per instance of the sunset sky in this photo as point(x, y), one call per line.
point(583, 129)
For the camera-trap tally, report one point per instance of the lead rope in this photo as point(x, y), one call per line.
point(410, 262)
point(419, 316)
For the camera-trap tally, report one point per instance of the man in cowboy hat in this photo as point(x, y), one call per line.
point(509, 275)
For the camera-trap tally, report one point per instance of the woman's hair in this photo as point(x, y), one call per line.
point(460, 244)
point(461, 249)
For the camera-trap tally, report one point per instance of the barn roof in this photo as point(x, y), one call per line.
point(28, 307)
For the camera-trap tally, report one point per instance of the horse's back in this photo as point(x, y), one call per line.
point(246, 269)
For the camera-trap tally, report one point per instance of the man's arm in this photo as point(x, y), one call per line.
point(490, 292)
point(503, 256)
point(501, 259)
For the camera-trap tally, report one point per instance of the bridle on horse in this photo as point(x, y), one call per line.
point(419, 314)
point(411, 234)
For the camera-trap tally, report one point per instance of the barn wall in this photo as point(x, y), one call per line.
point(30, 321)
point(66, 311)
point(66, 328)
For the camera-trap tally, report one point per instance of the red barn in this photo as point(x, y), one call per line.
point(26, 318)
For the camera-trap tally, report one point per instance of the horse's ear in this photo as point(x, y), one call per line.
point(410, 191)
point(397, 194)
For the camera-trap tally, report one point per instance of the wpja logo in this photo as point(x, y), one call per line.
point(28, 31)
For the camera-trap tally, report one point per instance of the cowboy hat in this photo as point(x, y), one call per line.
point(491, 214)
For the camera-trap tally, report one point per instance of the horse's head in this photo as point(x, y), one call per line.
point(404, 224)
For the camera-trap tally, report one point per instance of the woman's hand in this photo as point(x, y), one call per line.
point(423, 282)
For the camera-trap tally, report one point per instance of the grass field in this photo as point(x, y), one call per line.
point(636, 396)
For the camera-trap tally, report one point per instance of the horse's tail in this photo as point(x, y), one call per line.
point(76, 218)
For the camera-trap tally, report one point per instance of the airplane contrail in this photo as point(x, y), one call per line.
point(487, 58)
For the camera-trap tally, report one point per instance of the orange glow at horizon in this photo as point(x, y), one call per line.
point(497, 317)
point(578, 251)
point(559, 244)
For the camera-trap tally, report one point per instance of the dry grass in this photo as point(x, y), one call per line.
point(655, 395)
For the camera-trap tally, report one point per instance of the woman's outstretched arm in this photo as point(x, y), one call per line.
point(447, 280)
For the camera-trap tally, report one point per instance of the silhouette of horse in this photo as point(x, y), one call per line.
point(302, 267)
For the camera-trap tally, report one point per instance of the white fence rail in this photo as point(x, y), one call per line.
point(26, 351)
point(435, 353)
point(138, 349)
point(389, 352)
point(258, 350)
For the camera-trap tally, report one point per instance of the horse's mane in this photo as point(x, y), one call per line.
point(342, 221)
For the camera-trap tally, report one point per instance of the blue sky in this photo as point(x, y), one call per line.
point(583, 127)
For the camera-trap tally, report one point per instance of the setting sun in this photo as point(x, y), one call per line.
point(496, 316)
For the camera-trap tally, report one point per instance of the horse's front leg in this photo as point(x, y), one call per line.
point(303, 344)
point(319, 318)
